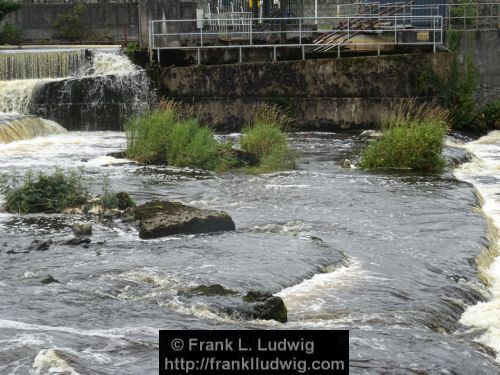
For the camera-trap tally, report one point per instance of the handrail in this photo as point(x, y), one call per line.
point(295, 32)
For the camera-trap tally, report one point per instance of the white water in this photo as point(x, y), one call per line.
point(484, 173)
point(15, 94)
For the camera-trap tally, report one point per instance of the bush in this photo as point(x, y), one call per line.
point(490, 114)
point(69, 25)
point(7, 6)
point(170, 134)
point(11, 34)
point(159, 137)
point(407, 144)
point(46, 192)
point(269, 143)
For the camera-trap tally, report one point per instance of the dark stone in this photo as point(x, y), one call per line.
point(256, 296)
point(82, 229)
point(260, 305)
point(243, 157)
point(118, 155)
point(455, 156)
point(40, 245)
point(48, 280)
point(207, 290)
point(124, 200)
point(76, 241)
point(272, 309)
point(163, 218)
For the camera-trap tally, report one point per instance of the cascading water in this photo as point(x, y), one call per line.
point(84, 90)
point(35, 64)
point(484, 173)
point(13, 128)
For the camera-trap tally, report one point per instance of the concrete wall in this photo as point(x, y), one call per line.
point(327, 93)
point(485, 45)
point(102, 20)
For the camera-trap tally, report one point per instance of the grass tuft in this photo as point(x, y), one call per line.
point(170, 134)
point(45, 192)
point(412, 138)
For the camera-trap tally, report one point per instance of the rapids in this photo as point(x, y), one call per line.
point(390, 257)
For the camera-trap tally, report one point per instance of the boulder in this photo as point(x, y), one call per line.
point(162, 218)
point(81, 229)
point(262, 305)
point(124, 201)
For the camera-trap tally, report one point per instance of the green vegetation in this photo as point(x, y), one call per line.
point(463, 13)
point(70, 26)
point(490, 115)
point(45, 192)
point(131, 48)
point(172, 135)
point(11, 34)
point(7, 6)
point(412, 138)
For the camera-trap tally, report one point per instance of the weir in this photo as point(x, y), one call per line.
point(14, 128)
point(41, 64)
point(79, 89)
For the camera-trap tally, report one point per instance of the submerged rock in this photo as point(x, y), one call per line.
point(163, 218)
point(456, 156)
point(76, 241)
point(81, 229)
point(49, 279)
point(207, 290)
point(40, 245)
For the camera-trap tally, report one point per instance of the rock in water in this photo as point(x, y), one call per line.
point(262, 305)
point(49, 279)
point(76, 241)
point(40, 245)
point(163, 218)
point(124, 200)
point(82, 229)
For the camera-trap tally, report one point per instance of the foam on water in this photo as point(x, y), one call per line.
point(484, 173)
point(52, 361)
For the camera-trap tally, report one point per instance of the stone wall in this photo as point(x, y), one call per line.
point(102, 20)
point(486, 52)
point(325, 93)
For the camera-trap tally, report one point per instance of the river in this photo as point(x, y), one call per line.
point(391, 257)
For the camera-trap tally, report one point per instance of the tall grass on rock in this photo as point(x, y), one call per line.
point(265, 137)
point(171, 134)
point(162, 137)
point(43, 192)
point(412, 138)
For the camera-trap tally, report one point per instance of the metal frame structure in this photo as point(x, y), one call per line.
point(249, 33)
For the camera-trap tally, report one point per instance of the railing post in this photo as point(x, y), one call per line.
point(300, 31)
point(303, 53)
point(274, 54)
point(395, 30)
point(201, 36)
point(241, 55)
point(198, 56)
point(251, 31)
point(434, 36)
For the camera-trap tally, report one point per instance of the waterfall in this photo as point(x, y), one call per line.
point(14, 128)
point(41, 64)
point(80, 90)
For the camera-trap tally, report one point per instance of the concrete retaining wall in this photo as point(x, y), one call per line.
point(103, 21)
point(324, 93)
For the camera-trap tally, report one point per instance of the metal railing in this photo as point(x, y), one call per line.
point(472, 15)
point(371, 32)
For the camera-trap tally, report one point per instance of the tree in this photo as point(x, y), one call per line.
point(7, 6)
